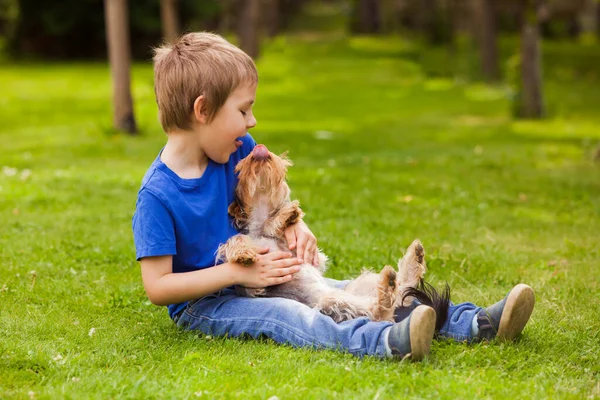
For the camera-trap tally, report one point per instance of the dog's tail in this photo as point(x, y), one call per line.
point(426, 294)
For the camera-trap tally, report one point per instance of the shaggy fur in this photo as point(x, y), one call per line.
point(263, 209)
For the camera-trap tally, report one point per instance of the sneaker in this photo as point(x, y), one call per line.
point(412, 337)
point(401, 313)
point(506, 319)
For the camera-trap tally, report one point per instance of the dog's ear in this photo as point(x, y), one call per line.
point(242, 164)
point(294, 214)
point(240, 218)
point(285, 160)
point(288, 215)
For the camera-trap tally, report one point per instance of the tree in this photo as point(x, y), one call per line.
point(169, 19)
point(119, 56)
point(271, 17)
point(485, 21)
point(247, 27)
point(366, 16)
point(588, 17)
point(531, 101)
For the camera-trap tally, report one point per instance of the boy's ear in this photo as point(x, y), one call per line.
point(200, 109)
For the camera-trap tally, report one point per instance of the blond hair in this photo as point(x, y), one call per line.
point(195, 64)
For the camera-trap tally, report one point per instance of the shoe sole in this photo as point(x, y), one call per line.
point(516, 313)
point(422, 328)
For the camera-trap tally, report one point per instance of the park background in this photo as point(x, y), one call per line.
point(470, 124)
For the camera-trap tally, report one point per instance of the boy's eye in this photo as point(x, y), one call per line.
point(243, 113)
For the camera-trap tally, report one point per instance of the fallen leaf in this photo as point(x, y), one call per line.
point(523, 197)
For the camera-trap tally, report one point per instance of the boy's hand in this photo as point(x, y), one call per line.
point(271, 269)
point(299, 237)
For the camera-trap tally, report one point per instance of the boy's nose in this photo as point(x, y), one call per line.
point(260, 152)
point(251, 122)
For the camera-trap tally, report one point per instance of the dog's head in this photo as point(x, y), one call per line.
point(262, 179)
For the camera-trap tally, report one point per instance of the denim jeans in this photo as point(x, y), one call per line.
point(288, 321)
point(283, 320)
point(459, 321)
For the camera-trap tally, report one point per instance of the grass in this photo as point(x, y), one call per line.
point(387, 148)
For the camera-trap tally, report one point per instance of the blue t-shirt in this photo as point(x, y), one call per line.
point(186, 218)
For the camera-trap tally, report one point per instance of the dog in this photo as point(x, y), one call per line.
point(263, 209)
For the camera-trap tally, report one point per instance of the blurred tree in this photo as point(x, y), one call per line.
point(485, 22)
point(433, 19)
point(271, 16)
point(563, 18)
point(119, 56)
point(531, 101)
point(9, 12)
point(588, 17)
point(226, 16)
point(169, 15)
point(287, 10)
point(75, 28)
point(365, 17)
point(59, 30)
point(247, 27)
point(390, 15)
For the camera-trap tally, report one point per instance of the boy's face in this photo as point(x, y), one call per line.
point(232, 121)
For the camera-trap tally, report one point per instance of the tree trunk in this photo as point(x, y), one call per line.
point(531, 70)
point(169, 18)
point(119, 56)
point(598, 19)
point(366, 18)
point(485, 19)
point(247, 27)
point(448, 12)
point(227, 17)
point(271, 16)
point(429, 21)
point(588, 17)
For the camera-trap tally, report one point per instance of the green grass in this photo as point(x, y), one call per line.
point(496, 202)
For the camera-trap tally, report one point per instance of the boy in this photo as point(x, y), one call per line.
point(205, 88)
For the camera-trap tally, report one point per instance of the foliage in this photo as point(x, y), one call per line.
point(383, 153)
point(75, 28)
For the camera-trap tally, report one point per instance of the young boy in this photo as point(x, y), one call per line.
point(205, 88)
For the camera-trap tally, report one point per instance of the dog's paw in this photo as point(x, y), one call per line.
point(411, 268)
point(238, 249)
point(388, 275)
point(415, 252)
point(386, 295)
point(246, 257)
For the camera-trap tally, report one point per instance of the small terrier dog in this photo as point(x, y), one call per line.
point(263, 209)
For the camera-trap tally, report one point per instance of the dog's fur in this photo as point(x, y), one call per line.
point(263, 209)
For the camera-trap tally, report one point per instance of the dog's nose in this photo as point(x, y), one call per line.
point(260, 152)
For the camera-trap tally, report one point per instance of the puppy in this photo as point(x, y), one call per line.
point(263, 209)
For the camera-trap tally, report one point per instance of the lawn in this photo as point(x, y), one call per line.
point(386, 147)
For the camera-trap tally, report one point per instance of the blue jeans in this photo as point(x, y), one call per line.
point(459, 321)
point(283, 320)
point(288, 321)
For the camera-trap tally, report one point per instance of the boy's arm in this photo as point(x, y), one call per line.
point(163, 287)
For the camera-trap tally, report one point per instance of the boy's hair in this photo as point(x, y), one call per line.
point(195, 64)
